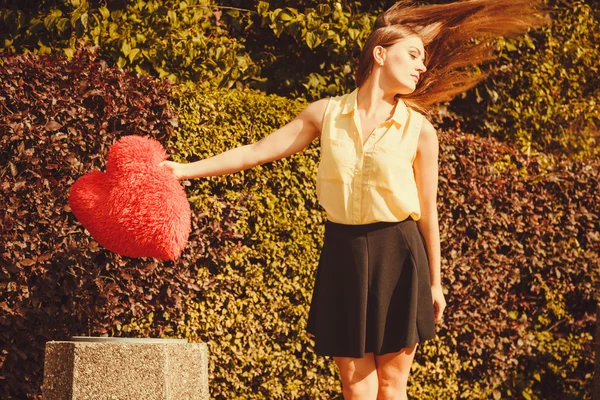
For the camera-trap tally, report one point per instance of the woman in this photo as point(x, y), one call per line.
point(378, 290)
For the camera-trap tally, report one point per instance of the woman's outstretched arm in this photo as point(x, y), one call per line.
point(285, 141)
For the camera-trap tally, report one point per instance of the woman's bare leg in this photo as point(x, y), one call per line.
point(392, 372)
point(359, 377)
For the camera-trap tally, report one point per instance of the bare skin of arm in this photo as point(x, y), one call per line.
point(285, 141)
point(426, 176)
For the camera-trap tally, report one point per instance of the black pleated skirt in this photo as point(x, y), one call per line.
point(372, 290)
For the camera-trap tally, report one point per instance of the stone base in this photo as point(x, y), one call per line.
point(126, 370)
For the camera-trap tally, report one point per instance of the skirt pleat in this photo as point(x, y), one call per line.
point(372, 290)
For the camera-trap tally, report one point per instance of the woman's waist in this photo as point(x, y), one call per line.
point(363, 228)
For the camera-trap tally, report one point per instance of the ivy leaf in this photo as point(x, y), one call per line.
point(353, 33)
point(285, 17)
point(324, 9)
point(312, 40)
point(61, 24)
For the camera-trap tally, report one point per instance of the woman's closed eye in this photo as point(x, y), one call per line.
point(414, 56)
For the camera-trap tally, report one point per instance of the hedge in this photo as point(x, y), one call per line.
point(58, 119)
point(541, 96)
point(492, 204)
point(544, 92)
point(519, 244)
point(180, 40)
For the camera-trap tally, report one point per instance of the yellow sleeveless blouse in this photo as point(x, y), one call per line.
point(359, 184)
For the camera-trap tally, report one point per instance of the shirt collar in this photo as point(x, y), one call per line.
point(350, 103)
point(400, 112)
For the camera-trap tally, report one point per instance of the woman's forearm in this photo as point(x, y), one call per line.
point(285, 141)
point(429, 226)
point(228, 162)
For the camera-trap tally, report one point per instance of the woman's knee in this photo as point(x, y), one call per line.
point(360, 391)
point(393, 370)
point(359, 377)
point(391, 390)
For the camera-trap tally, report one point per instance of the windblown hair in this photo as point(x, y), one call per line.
point(457, 38)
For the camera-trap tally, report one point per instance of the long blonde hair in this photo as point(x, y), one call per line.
point(456, 37)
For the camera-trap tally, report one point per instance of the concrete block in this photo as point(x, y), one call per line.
point(125, 369)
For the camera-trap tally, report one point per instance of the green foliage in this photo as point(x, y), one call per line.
point(520, 246)
point(544, 95)
point(253, 317)
point(57, 121)
point(326, 36)
point(521, 269)
point(177, 39)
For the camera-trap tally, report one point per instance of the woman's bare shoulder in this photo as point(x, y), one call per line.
point(427, 128)
point(317, 107)
point(314, 112)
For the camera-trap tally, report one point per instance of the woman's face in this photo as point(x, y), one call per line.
point(401, 64)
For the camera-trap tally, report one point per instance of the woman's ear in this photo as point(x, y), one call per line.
point(379, 54)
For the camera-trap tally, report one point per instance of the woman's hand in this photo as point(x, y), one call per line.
point(439, 303)
point(175, 167)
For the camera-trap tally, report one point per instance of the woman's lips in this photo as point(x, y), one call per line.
point(416, 78)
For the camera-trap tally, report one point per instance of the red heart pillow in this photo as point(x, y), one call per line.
point(136, 208)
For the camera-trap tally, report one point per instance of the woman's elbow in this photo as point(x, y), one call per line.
point(259, 154)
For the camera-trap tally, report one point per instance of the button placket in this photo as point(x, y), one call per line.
point(356, 180)
point(356, 186)
point(363, 166)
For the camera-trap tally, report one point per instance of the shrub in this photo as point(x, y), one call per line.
point(520, 249)
point(517, 271)
point(181, 40)
point(544, 94)
point(541, 94)
point(326, 35)
point(258, 348)
point(519, 244)
point(58, 119)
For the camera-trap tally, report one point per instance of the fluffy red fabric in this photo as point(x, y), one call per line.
point(136, 208)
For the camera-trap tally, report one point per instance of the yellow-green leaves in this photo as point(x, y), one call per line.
point(539, 94)
point(174, 39)
point(125, 48)
point(51, 20)
point(133, 54)
point(104, 12)
point(68, 52)
point(312, 40)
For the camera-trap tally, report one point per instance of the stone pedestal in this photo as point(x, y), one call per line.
point(125, 369)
